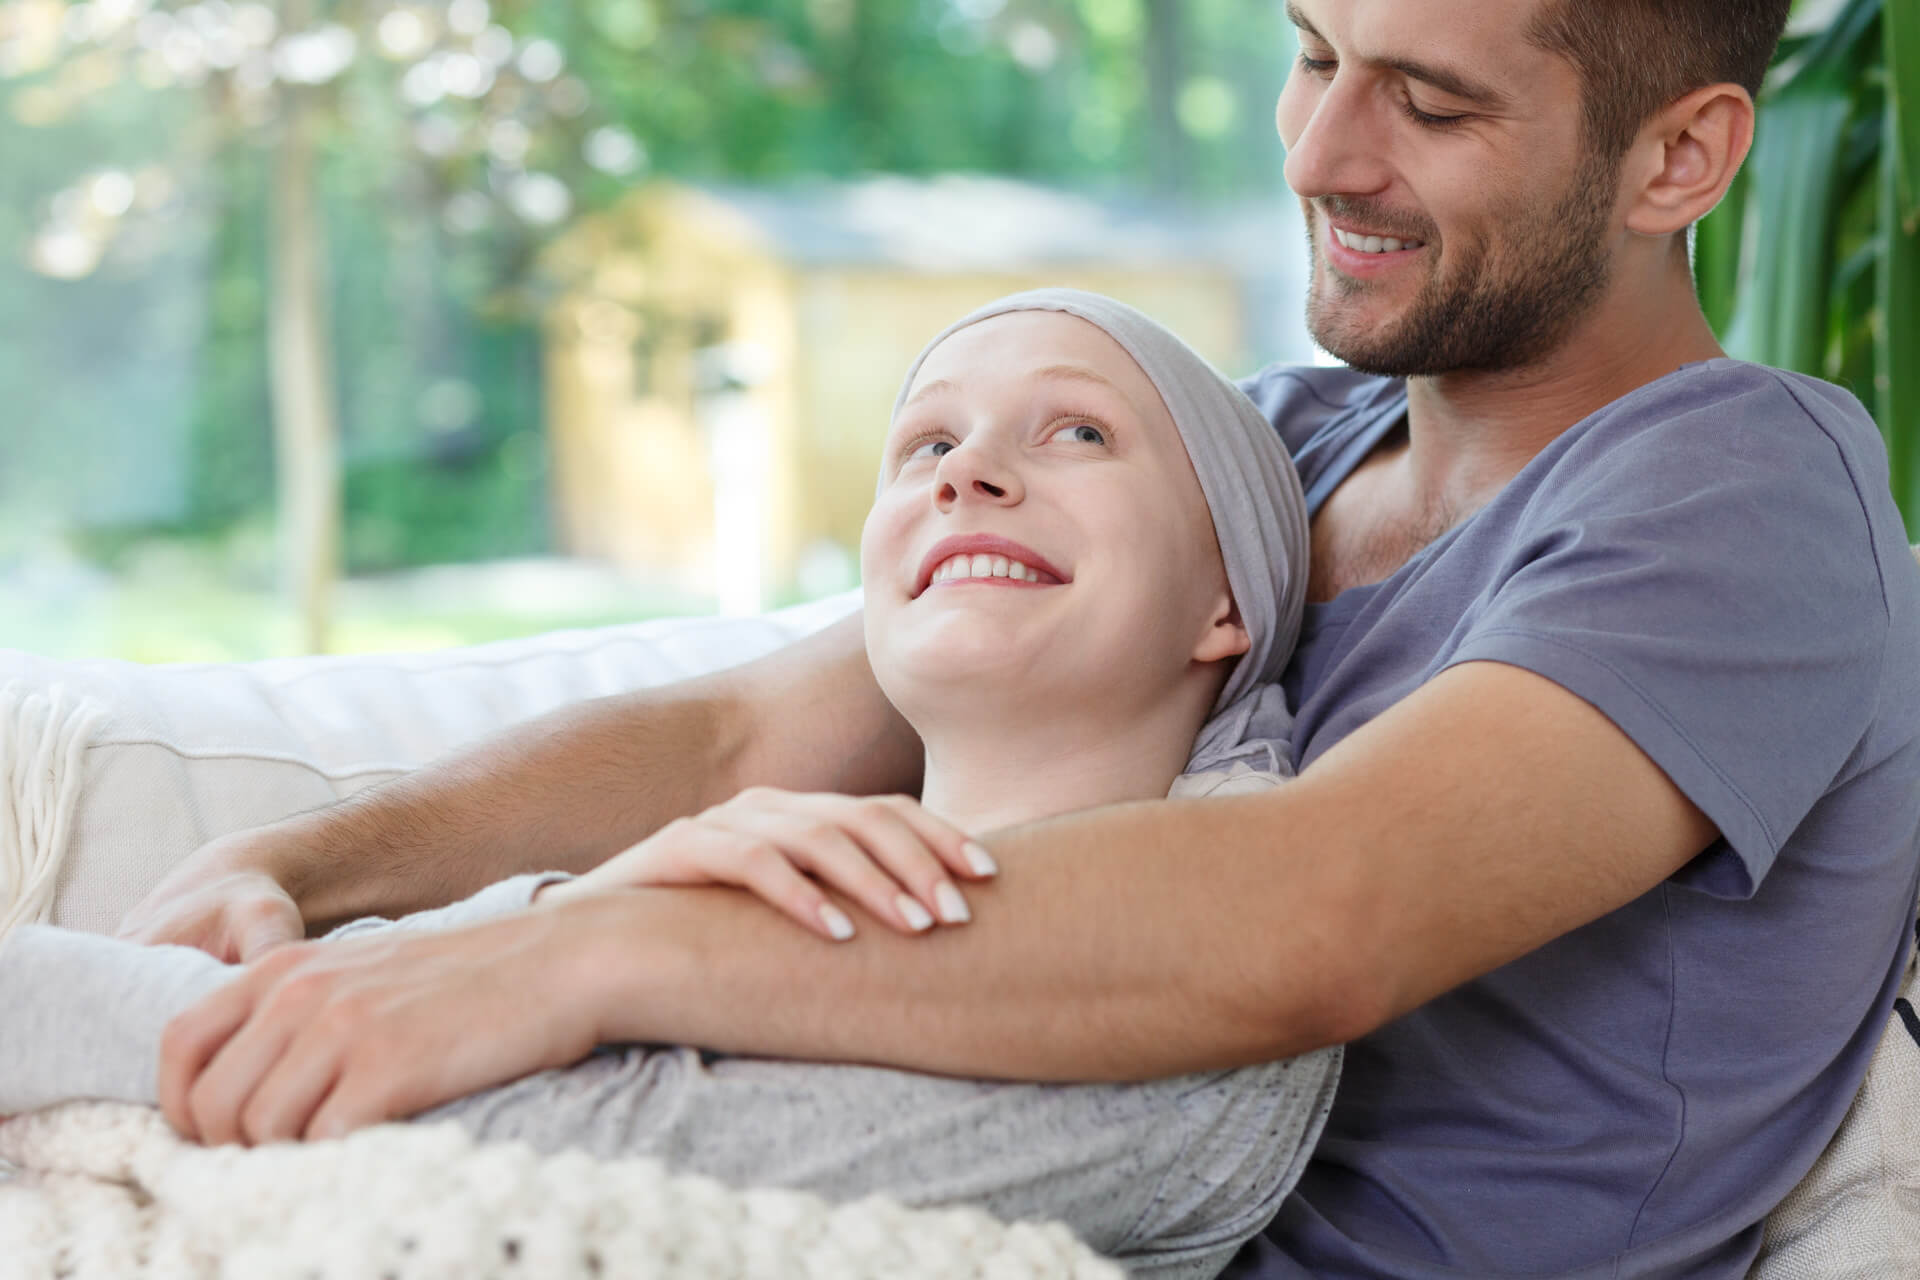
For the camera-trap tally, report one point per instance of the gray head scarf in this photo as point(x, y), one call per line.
point(1259, 516)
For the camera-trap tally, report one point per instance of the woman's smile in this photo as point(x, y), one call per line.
point(988, 559)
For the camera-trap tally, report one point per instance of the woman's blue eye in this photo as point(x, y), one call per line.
point(1086, 433)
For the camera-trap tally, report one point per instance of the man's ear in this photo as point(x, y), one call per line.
point(1686, 157)
point(1226, 636)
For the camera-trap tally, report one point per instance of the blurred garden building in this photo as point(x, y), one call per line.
point(722, 361)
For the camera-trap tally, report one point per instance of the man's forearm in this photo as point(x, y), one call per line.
point(1121, 943)
point(567, 790)
point(561, 792)
point(1482, 817)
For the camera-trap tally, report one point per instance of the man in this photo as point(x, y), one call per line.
point(1603, 853)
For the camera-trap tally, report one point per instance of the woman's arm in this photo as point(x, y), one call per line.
point(561, 792)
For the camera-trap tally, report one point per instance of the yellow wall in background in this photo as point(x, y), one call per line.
point(673, 271)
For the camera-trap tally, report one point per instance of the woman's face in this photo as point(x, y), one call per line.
point(1040, 527)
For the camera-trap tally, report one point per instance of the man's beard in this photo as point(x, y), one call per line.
point(1483, 316)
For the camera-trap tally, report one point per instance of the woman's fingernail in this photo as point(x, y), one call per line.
point(837, 923)
point(953, 907)
point(915, 915)
point(980, 860)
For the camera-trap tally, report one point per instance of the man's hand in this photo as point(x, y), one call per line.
point(320, 1039)
point(886, 852)
point(219, 900)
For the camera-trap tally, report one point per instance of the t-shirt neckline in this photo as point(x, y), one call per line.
point(1364, 440)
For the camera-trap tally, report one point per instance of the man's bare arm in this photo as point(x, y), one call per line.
point(1485, 815)
point(567, 790)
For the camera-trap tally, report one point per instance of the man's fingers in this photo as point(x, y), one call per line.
point(282, 1105)
point(191, 1040)
point(339, 1114)
point(218, 1098)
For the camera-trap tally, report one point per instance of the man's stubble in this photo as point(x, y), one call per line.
point(1488, 313)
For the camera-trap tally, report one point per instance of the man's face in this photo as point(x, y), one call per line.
point(1442, 127)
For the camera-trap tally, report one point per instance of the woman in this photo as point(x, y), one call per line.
point(1084, 571)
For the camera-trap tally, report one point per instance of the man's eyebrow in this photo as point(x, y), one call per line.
point(1449, 81)
point(1445, 79)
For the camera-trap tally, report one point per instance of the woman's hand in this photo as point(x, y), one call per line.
point(885, 852)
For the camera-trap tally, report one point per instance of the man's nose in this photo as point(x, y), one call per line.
point(976, 472)
point(1342, 144)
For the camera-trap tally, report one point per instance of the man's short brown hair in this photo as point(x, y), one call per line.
point(1636, 56)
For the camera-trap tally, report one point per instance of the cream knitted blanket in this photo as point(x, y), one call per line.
point(107, 1192)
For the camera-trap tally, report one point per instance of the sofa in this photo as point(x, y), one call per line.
point(111, 772)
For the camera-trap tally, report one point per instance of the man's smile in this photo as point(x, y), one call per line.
point(1363, 253)
point(1374, 244)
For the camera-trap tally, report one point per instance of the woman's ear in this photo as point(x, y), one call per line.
point(1226, 636)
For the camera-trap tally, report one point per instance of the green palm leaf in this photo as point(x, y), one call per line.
point(1813, 261)
point(1898, 331)
point(1902, 39)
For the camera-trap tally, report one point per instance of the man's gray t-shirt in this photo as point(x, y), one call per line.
point(1714, 562)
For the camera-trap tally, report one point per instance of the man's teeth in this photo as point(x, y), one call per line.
point(1375, 244)
point(985, 567)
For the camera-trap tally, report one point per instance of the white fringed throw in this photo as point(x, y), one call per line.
point(44, 735)
point(109, 1192)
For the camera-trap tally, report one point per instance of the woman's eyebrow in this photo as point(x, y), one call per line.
point(1076, 373)
point(1053, 372)
point(936, 387)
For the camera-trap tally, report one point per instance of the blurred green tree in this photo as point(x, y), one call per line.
point(288, 82)
point(378, 177)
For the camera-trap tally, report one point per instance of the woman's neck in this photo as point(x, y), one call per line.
point(988, 776)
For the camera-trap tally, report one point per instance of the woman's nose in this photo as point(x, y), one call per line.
point(974, 473)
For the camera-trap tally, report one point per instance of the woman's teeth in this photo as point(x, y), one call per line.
point(985, 567)
point(1375, 244)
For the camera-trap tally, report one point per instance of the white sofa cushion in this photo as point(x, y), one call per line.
point(1856, 1215)
point(189, 752)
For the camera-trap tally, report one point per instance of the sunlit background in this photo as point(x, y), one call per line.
point(348, 325)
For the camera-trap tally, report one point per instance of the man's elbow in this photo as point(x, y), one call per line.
point(1313, 997)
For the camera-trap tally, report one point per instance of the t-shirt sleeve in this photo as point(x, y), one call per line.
point(1709, 583)
point(1301, 399)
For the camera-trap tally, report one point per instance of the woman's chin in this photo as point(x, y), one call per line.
point(976, 669)
point(971, 640)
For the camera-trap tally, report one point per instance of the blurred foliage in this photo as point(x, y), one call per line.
point(1813, 261)
point(456, 138)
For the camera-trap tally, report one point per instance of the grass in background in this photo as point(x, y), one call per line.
point(174, 600)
